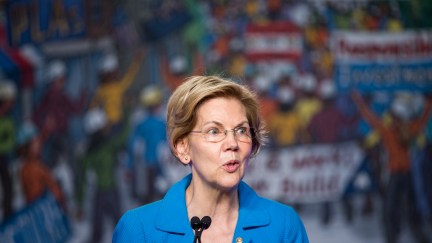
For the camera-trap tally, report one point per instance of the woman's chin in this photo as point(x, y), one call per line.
point(230, 181)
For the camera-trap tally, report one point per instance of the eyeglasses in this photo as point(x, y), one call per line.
point(214, 135)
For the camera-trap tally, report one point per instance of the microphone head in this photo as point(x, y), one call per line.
point(206, 222)
point(195, 223)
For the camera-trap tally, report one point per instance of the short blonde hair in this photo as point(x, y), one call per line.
point(186, 99)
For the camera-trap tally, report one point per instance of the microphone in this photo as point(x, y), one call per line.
point(206, 222)
point(199, 226)
point(195, 223)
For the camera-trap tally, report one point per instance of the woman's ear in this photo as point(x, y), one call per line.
point(182, 151)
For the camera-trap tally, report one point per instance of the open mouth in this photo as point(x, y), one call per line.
point(231, 166)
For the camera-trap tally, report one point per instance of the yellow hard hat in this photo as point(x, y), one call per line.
point(8, 91)
point(151, 95)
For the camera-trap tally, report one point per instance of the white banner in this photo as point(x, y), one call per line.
point(304, 174)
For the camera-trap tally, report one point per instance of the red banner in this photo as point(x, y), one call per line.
point(275, 40)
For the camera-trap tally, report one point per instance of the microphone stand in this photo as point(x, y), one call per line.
point(197, 238)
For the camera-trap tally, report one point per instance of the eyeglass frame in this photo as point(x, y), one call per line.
point(225, 132)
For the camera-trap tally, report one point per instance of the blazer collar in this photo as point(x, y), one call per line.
point(252, 214)
point(173, 216)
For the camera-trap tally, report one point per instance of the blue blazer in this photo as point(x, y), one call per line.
point(259, 220)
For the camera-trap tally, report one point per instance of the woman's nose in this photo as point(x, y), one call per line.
point(231, 141)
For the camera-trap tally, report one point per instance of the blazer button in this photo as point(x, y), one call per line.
point(239, 240)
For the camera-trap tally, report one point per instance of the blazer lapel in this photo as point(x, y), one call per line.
point(251, 214)
point(172, 216)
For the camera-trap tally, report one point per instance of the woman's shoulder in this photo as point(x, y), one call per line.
point(148, 210)
point(272, 206)
point(271, 215)
point(277, 207)
point(135, 222)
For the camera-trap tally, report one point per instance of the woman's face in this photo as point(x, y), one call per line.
point(219, 164)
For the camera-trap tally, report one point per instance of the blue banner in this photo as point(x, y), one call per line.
point(9, 68)
point(37, 21)
point(415, 76)
point(43, 221)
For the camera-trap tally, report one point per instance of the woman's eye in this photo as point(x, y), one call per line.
point(241, 130)
point(213, 131)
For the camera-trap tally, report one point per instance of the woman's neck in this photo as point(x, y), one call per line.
point(221, 206)
point(202, 201)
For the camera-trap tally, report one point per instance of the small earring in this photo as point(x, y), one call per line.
point(187, 158)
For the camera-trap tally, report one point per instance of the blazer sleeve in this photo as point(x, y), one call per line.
point(128, 229)
point(295, 230)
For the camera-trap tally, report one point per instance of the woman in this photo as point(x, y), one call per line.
point(213, 126)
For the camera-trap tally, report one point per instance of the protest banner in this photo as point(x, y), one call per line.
point(383, 60)
point(43, 221)
point(301, 174)
point(45, 20)
point(275, 40)
point(306, 173)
